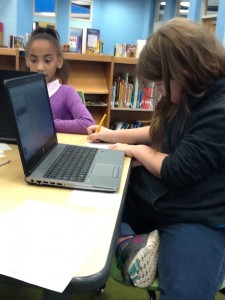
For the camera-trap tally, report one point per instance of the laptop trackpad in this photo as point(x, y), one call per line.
point(105, 170)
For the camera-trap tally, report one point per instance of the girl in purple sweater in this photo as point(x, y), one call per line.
point(44, 55)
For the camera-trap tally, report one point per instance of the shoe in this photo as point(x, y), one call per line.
point(137, 258)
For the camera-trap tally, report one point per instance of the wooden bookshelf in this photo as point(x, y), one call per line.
point(92, 74)
point(121, 65)
point(9, 59)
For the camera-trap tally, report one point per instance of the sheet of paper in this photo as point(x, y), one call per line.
point(95, 199)
point(97, 145)
point(4, 147)
point(43, 244)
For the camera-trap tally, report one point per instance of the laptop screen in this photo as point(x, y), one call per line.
point(32, 112)
point(7, 128)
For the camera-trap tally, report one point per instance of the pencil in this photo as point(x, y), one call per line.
point(4, 162)
point(101, 122)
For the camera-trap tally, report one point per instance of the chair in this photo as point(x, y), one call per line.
point(81, 94)
point(152, 289)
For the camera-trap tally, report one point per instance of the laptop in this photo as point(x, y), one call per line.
point(7, 128)
point(39, 148)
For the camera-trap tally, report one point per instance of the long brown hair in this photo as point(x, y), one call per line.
point(53, 37)
point(186, 52)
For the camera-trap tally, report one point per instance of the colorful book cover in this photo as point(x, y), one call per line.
point(75, 39)
point(131, 50)
point(16, 42)
point(93, 41)
point(120, 50)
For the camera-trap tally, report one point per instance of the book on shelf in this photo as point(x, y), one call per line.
point(125, 50)
point(75, 39)
point(1, 34)
point(122, 91)
point(120, 50)
point(131, 50)
point(16, 42)
point(95, 103)
point(125, 125)
point(126, 94)
point(91, 41)
point(140, 46)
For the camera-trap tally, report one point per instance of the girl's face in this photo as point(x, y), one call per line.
point(42, 58)
point(176, 90)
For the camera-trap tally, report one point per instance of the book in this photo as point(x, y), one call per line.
point(75, 39)
point(16, 42)
point(91, 41)
point(125, 125)
point(140, 46)
point(125, 50)
point(122, 91)
point(120, 50)
point(1, 34)
point(131, 50)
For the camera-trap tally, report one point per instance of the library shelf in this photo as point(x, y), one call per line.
point(122, 65)
point(92, 74)
point(9, 58)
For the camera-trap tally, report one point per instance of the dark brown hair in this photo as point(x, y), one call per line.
point(52, 36)
point(186, 52)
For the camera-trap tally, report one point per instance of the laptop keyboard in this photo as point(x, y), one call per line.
point(72, 164)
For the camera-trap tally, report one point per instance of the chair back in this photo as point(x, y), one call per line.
point(81, 94)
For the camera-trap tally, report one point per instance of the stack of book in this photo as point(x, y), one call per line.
point(126, 94)
point(125, 125)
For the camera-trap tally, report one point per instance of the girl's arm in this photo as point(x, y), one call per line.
point(76, 118)
point(131, 136)
point(145, 155)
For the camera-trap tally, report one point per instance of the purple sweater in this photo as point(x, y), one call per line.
point(69, 113)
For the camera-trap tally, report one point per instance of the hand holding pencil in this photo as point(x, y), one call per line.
point(97, 133)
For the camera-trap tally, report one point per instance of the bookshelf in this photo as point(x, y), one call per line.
point(9, 58)
point(92, 74)
point(121, 65)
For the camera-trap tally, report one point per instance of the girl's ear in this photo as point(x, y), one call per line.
point(60, 62)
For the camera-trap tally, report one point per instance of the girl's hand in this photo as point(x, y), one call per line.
point(128, 149)
point(104, 134)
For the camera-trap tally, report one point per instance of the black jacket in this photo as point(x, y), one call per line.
point(192, 188)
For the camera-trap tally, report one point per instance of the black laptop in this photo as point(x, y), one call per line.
point(7, 128)
point(47, 162)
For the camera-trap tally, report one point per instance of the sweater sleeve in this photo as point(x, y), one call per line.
point(200, 151)
point(71, 116)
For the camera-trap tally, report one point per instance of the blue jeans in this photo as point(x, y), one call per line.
point(191, 263)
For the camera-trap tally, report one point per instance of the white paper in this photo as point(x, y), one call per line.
point(97, 145)
point(95, 199)
point(4, 147)
point(43, 244)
